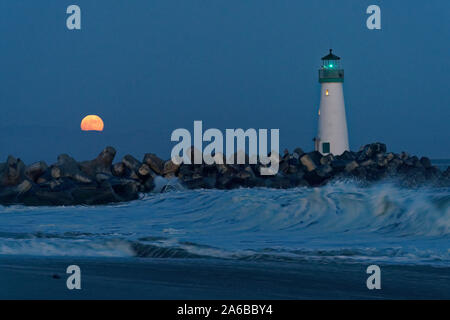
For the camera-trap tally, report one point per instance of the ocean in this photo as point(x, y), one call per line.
point(341, 225)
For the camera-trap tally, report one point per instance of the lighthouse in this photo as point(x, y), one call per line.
point(332, 135)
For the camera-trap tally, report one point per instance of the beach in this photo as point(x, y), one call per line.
point(118, 278)
point(302, 243)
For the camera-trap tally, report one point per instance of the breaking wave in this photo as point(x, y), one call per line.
point(342, 220)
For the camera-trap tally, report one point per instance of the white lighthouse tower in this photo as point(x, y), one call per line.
point(332, 135)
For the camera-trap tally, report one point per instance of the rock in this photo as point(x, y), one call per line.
point(327, 159)
point(131, 163)
point(46, 197)
point(297, 179)
point(24, 186)
point(315, 156)
point(222, 168)
point(390, 156)
point(351, 166)
point(62, 184)
point(393, 166)
point(35, 170)
point(82, 178)
point(339, 165)
point(197, 182)
point(126, 189)
point(170, 169)
point(378, 147)
point(94, 195)
point(278, 182)
point(56, 172)
point(284, 166)
point(13, 172)
point(432, 173)
point(210, 169)
point(409, 161)
point(185, 171)
point(324, 171)
point(319, 175)
point(298, 152)
point(148, 185)
point(102, 177)
point(67, 167)
point(98, 181)
point(367, 163)
point(381, 160)
point(119, 169)
point(145, 175)
point(373, 173)
point(426, 162)
point(404, 155)
point(101, 164)
point(224, 181)
point(416, 162)
point(370, 150)
point(8, 195)
point(292, 169)
point(308, 162)
point(14, 194)
point(154, 162)
point(247, 173)
point(144, 170)
point(45, 177)
point(293, 161)
point(105, 159)
point(359, 172)
point(346, 156)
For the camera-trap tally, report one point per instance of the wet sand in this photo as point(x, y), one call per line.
point(124, 278)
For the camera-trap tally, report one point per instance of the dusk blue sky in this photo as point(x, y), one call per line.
point(148, 67)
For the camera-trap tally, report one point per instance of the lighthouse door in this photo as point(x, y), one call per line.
point(326, 147)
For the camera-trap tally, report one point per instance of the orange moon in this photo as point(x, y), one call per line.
point(92, 123)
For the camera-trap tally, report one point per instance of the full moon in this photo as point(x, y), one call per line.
point(92, 123)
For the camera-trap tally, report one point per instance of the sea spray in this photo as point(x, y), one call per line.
point(342, 220)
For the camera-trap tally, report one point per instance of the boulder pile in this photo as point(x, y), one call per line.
point(100, 181)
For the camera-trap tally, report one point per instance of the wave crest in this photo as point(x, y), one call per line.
point(340, 220)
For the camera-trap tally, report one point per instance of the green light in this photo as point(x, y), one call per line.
point(331, 66)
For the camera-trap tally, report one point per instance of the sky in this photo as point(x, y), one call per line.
point(148, 67)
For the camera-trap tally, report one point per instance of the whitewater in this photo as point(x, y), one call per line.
point(381, 223)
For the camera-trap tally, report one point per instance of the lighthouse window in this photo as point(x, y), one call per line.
point(326, 147)
point(326, 92)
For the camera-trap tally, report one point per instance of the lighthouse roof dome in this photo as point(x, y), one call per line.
point(331, 56)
